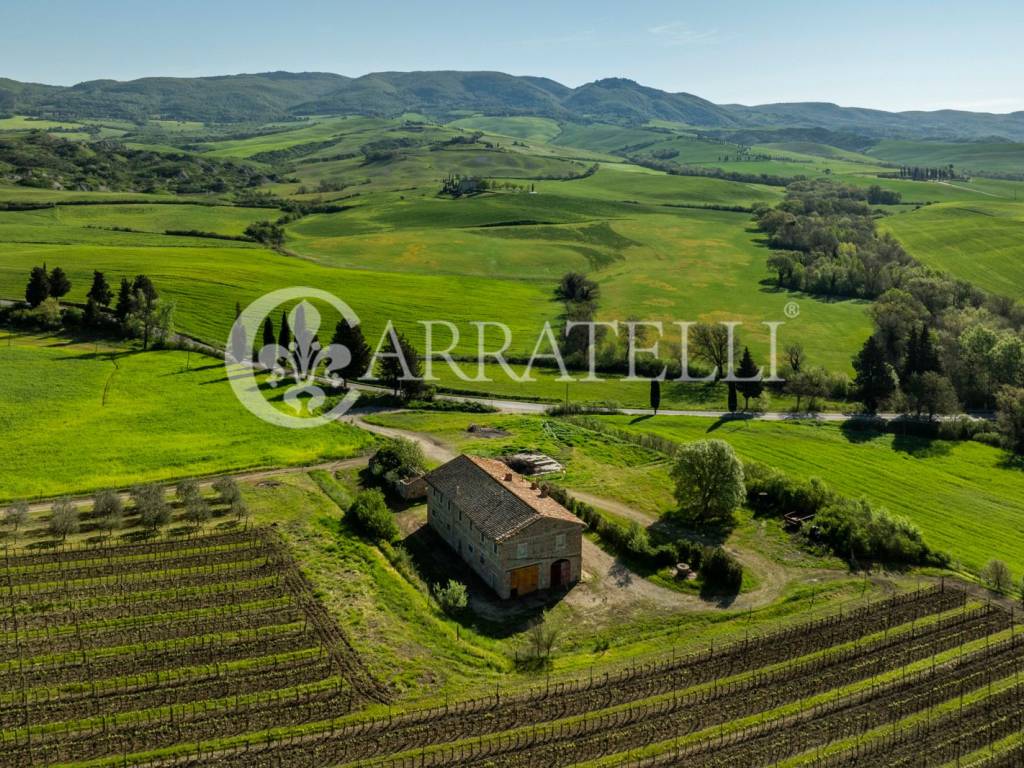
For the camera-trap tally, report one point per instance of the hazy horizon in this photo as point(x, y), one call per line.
point(869, 54)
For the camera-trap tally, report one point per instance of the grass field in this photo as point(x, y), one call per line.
point(1004, 157)
point(981, 241)
point(539, 129)
point(78, 418)
point(952, 490)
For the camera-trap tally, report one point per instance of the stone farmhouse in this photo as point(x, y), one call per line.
point(516, 537)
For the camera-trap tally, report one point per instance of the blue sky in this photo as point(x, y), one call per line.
point(889, 55)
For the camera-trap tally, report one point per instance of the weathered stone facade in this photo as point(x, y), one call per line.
point(511, 534)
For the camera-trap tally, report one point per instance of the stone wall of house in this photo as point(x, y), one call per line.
point(541, 544)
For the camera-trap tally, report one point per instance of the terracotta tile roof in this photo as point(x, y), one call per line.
point(500, 502)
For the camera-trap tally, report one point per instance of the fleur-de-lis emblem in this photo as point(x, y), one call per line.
point(303, 360)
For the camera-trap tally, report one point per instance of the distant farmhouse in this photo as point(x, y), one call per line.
point(515, 536)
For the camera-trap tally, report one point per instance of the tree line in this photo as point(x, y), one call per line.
point(138, 311)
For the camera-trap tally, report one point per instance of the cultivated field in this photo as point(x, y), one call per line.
point(234, 664)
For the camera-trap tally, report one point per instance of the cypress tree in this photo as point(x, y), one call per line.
point(59, 283)
point(748, 370)
point(38, 289)
point(284, 336)
point(124, 300)
point(874, 380)
point(100, 290)
point(655, 395)
point(351, 337)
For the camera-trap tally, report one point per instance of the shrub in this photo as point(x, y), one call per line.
point(856, 530)
point(370, 516)
point(721, 572)
point(990, 438)
point(771, 492)
point(396, 460)
point(452, 597)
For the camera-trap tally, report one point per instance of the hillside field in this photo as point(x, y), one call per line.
point(79, 417)
point(980, 241)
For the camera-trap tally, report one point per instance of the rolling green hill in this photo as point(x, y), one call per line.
point(1001, 156)
point(980, 241)
point(450, 94)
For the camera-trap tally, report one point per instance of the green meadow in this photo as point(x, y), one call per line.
point(1000, 156)
point(79, 416)
point(952, 490)
point(980, 241)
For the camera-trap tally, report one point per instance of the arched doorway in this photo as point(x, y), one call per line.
point(561, 573)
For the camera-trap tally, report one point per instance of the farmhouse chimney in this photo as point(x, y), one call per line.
point(508, 477)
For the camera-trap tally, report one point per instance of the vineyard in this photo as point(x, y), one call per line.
point(214, 652)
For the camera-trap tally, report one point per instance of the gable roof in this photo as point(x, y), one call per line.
point(499, 507)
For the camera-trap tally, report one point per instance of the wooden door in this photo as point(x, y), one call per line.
point(525, 580)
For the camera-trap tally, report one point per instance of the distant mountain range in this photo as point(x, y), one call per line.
point(282, 95)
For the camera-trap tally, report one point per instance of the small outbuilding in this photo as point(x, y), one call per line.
point(506, 528)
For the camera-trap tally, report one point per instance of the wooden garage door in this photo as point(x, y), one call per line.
point(524, 580)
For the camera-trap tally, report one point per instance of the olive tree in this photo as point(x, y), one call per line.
point(151, 505)
point(63, 519)
point(108, 510)
point(16, 515)
point(996, 575)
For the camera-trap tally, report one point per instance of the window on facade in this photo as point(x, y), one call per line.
point(481, 537)
point(481, 559)
point(559, 541)
point(522, 550)
point(471, 549)
point(495, 547)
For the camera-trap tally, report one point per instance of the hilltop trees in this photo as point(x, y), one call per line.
point(284, 335)
point(579, 296)
point(351, 337)
point(709, 481)
point(60, 285)
point(99, 292)
point(399, 366)
point(146, 315)
point(38, 289)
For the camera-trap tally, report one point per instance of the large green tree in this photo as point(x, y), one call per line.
point(875, 380)
point(351, 337)
point(100, 292)
point(749, 370)
point(38, 289)
point(60, 285)
point(399, 366)
point(709, 481)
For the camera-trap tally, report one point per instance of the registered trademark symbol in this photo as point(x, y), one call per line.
point(792, 310)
